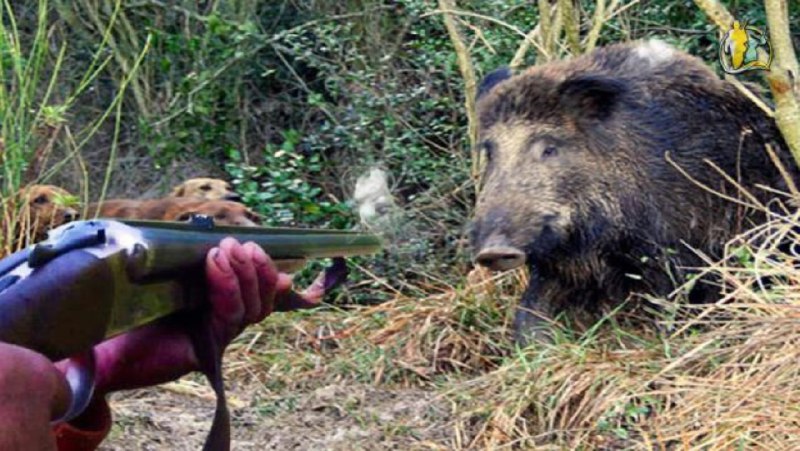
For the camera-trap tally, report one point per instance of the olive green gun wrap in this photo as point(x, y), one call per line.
point(92, 280)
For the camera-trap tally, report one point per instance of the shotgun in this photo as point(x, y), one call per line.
point(93, 280)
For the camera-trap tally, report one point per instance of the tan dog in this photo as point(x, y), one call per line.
point(206, 188)
point(223, 212)
point(43, 207)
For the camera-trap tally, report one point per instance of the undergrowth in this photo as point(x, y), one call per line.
point(703, 376)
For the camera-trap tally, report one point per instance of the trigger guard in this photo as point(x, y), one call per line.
point(80, 374)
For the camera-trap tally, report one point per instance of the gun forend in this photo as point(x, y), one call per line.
point(91, 280)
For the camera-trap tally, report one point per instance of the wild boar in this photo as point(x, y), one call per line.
point(603, 172)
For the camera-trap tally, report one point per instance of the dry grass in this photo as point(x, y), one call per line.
point(406, 341)
point(714, 376)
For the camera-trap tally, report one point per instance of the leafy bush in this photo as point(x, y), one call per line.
point(278, 188)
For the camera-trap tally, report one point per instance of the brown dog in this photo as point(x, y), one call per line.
point(223, 212)
point(42, 207)
point(206, 188)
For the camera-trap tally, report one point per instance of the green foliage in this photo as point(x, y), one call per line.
point(23, 60)
point(277, 189)
point(37, 95)
point(293, 100)
point(203, 68)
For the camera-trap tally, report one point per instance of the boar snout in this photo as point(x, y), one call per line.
point(500, 258)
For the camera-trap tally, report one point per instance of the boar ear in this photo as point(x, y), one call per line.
point(590, 96)
point(493, 79)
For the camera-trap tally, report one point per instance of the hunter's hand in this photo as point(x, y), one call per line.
point(244, 287)
point(33, 393)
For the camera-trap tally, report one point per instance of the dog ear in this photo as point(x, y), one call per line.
point(253, 216)
point(178, 191)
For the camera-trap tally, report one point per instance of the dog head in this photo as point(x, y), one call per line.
point(44, 207)
point(223, 212)
point(206, 188)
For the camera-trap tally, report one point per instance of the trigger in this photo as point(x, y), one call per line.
point(80, 375)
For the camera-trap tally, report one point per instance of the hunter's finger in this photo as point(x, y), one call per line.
point(287, 299)
point(316, 291)
point(333, 276)
point(242, 263)
point(223, 290)
point(267, 276)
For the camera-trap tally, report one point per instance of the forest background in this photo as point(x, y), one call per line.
point(294, 100)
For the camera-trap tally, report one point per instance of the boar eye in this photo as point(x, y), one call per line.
point(488, 150)
point(549, 151)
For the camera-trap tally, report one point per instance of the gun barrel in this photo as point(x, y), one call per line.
point(179, 244)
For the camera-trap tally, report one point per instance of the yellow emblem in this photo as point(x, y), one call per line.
point(744, 48)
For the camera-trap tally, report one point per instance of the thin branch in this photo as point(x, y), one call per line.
point(468, 74)
point(483, 17)
point(716, 12)
point(597, 24)
point(545, 24)
point(571, 22)
point(519, 56)
point(782, 76)
point(750, 95)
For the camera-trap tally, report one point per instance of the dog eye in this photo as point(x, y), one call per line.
point(42, 199)
point(205, 188)
point(220, 216)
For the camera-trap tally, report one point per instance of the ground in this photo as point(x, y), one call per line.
point(332, 417)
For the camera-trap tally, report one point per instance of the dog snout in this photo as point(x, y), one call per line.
point(246, 223)
point(71, 215)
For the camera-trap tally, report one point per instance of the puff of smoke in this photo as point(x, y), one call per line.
point(380, 213)
point(374, 201)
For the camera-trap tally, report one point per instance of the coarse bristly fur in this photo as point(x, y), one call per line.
point(594, 171)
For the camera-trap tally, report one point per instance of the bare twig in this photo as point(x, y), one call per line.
point(519, 56)
point(597, 24)
point(468, 74)
point(546, 33)
point(716, 12)
point(482, 17)
point(571, 22)
point(750, 95)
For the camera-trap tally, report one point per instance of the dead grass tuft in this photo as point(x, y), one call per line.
point(711, 376)
point(725, 375)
